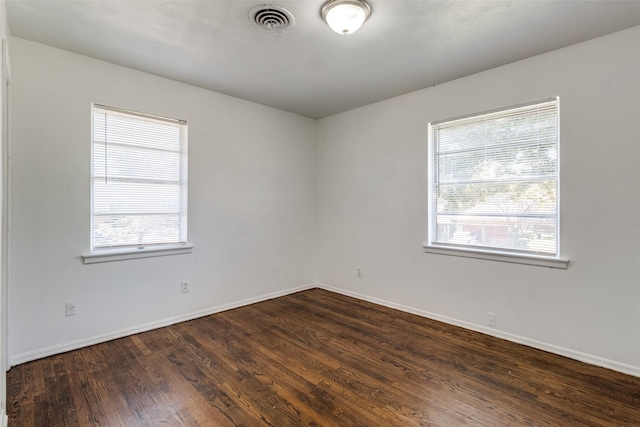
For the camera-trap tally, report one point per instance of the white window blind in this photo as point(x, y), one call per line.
point(139, 180)
point(494, 181)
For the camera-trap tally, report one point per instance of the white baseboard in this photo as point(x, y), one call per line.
point(74, 345)
point(572, 354)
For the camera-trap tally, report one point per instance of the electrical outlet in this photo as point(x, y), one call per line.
point(359, 271)
point(184, 287)
point(491, 319)
point(70, 309)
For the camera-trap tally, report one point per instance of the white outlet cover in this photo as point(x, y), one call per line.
point(70, 309)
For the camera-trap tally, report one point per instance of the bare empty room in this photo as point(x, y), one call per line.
point(323, 213)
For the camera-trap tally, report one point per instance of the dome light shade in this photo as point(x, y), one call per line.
point(345, 16)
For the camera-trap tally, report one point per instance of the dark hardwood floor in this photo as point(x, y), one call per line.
point(316, 358)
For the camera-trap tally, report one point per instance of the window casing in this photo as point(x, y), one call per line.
point(494, 181)
point(139, 181)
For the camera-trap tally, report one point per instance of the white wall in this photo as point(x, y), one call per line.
point(372, 207)
point(251, 205)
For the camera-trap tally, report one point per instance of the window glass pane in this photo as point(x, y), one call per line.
point(533, 123)
point(139, 180)
point(501, 163)
point(136, 162)
point(495, 181)
point(122, 128)
point(135, 230)
point(135, 197)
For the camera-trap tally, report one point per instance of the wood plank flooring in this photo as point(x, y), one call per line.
point(316, 358)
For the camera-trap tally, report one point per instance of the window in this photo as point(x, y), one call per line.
point(494, 183)
point(139, 181)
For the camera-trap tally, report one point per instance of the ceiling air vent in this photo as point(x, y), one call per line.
point(271, 17)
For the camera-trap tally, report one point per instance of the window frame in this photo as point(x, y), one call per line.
point(484, 252)
point(125, 251)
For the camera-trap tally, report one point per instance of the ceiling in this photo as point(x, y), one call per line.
point(307, 68)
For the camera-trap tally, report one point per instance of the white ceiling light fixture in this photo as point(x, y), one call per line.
point(345, 16)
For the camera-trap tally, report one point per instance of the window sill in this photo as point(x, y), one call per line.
point(540, 261)
point(121, 255)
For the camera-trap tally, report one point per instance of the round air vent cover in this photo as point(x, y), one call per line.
point(271, 17)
